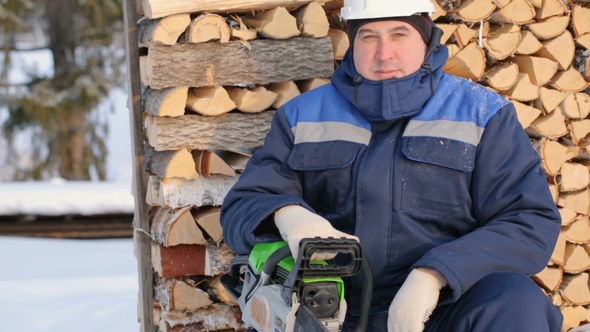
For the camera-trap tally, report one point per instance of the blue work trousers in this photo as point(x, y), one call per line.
point(501, 302)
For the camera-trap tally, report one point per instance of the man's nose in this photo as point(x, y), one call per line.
point(385, 50)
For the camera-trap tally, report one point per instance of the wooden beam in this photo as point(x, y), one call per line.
point(259, 61)
point(142, 242)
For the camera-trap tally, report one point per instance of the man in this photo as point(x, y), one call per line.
point(432, 174)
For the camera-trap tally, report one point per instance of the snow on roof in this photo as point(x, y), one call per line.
point(60, 197)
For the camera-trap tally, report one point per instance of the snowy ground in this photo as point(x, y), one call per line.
point(68, 285)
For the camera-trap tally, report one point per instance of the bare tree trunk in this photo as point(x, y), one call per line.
point(72, 165)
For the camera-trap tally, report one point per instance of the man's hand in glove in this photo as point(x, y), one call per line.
point(415, 301)
point(296, 222)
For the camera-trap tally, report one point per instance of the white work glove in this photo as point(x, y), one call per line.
point(296, 222)
point(414, 302)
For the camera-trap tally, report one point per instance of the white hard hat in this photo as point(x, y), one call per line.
point(363, 9)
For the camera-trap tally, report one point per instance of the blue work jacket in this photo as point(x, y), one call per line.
point(429, 170)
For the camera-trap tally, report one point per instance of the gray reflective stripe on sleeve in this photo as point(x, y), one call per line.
point(466, 132)
point(314, 132)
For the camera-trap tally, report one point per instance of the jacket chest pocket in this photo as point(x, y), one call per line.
point(437, 177)
point(326, 172)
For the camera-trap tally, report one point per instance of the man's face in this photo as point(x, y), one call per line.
point(388, 49)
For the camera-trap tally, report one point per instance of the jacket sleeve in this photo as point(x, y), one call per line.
point(266, 185)
point(519, 221)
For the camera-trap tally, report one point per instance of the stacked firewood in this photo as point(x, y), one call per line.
point(536, 53)
point(212, 76)
point(213, 73)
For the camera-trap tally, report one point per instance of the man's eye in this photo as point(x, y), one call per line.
point(369, 37)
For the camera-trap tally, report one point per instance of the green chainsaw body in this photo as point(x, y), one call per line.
point(278, 294)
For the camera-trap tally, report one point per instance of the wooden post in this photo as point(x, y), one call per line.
point(142, 241)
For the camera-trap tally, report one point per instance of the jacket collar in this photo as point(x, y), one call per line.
point(394, 98)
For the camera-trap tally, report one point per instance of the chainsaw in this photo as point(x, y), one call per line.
point(279, 294)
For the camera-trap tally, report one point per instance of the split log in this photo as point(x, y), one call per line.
point(312, 20)
point(218, 291)
point(573, 316)
point(550, 8)
point(575, 106)
point(216, 317)
point(276, 23)
point(558, 255)
point(143, 75)
point(554, 192)
point(209, 101)
point(577, 201)
point(550, 278)
point(209, 163)
point(257, 62)
point(207, 27)
point(475, 10)
point(529, 44)
point(438, 10)
point(171, 227)
point(579, 230)
point(229, 131)
point(468, 63)
point(453, 50)
point(537, 3)
point(165, 102)
point(161, 8)
point(448, 31)
point(176, 294)
point(502, 76)
point(175, 193)
point(208, 219)
point(549, 99)
point(584, 41)
point(252, 100)
point(526, 114)
point(567, 216)
point(464, 35)
point(580, 21)
point(569, 80)
point(171, 164)
point(576, 259)
point(516, 12)
point(560, 49)
point(166, 30)
point(579, 130)
point(237, 160)
point(554, 154)
point(312, 83)
point(180, 260)
point(191, 259)
point(340, 43)
point(285, 91)
point(551, 125)
point(549, 28)
point(523, 90)
point(540, 70)
point(502, 41)
point(241, 30)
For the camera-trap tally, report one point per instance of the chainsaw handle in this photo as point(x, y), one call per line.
point(309, 246)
